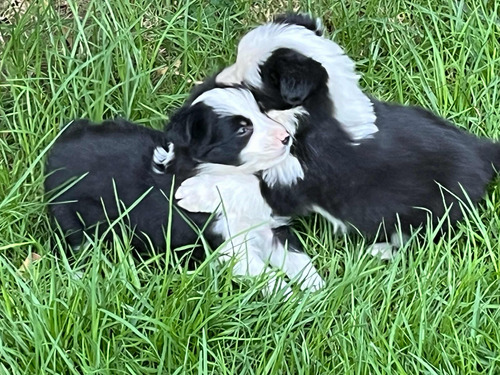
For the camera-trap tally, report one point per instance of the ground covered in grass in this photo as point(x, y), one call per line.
point(435, 309)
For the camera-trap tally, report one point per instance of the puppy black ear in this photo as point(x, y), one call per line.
point(188, 126)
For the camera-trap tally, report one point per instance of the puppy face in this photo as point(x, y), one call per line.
point(289, 79)
point(292, 62)
point(226, 126)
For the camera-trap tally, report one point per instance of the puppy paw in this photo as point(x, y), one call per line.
point(312, 282)
point(382, 250)
point(198, 194)
point(162, 158)
point(277, 287)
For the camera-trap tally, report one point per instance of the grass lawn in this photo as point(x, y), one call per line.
point(435, 309)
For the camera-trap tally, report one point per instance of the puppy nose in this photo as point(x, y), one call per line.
point(283, 136)
point(286, 140)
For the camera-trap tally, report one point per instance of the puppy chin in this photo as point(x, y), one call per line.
point(280, 156)
point(253, 162)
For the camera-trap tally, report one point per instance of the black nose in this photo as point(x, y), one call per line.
point(293, 100)
point(286, 140)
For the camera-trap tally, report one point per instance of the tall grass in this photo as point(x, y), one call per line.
point(435, 309)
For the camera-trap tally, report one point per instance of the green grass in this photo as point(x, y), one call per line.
point(434, 310)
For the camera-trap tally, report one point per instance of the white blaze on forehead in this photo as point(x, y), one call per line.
point(352, 108)
point(265, 148)
point(230, 102)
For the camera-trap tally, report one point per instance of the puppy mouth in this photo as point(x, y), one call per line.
point(285, 150)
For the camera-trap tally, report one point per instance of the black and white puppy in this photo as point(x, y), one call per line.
point(255, 239)
point(287, 60)
point(358, 174)
point(107, 173)
point(95, 173)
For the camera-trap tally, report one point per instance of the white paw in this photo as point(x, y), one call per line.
point(162, 158)
point(312, 282)
point(200, 193)
point(277, 285)
point(382, 250)
point(197, 202)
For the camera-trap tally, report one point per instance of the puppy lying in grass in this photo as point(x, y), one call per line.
point(121, 170)
point(359, 162)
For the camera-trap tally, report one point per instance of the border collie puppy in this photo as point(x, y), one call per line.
point(95, 173)
point(415, 165)
point(252, 235)
point(286, 60)
point(106, 173)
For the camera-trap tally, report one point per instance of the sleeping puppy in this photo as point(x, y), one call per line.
point(119, 169)
point(406, 166)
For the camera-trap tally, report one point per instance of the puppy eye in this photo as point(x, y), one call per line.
point(243, 126)
point(244, 130)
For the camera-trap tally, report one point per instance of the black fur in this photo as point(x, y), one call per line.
point(287, 238)
point(300, 19)
point(121, 152)
point(289, 78)
point(398, 172)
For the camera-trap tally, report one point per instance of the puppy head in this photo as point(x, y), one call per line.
point(226, 126)
point(258, 45)
point(290, 58)
point(289, 79)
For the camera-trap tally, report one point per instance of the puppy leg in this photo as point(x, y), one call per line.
point(71, 226)
point(249, 264)
point(293, 260)
point(298, 267)
point(398, 240)
point(162, 157)
point(387, 250)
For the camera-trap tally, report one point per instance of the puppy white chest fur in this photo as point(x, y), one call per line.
point(245, 221)
point(236, 199)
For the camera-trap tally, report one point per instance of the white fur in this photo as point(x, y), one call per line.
point(289, 171)
point(319, 26)
point(387, 250)
point(265, 147)
point(245, 221)
point(338, 225)
point(162, 156)
point(289, 118)
point(399, 239)
point(382, 250)
point(352, 108)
